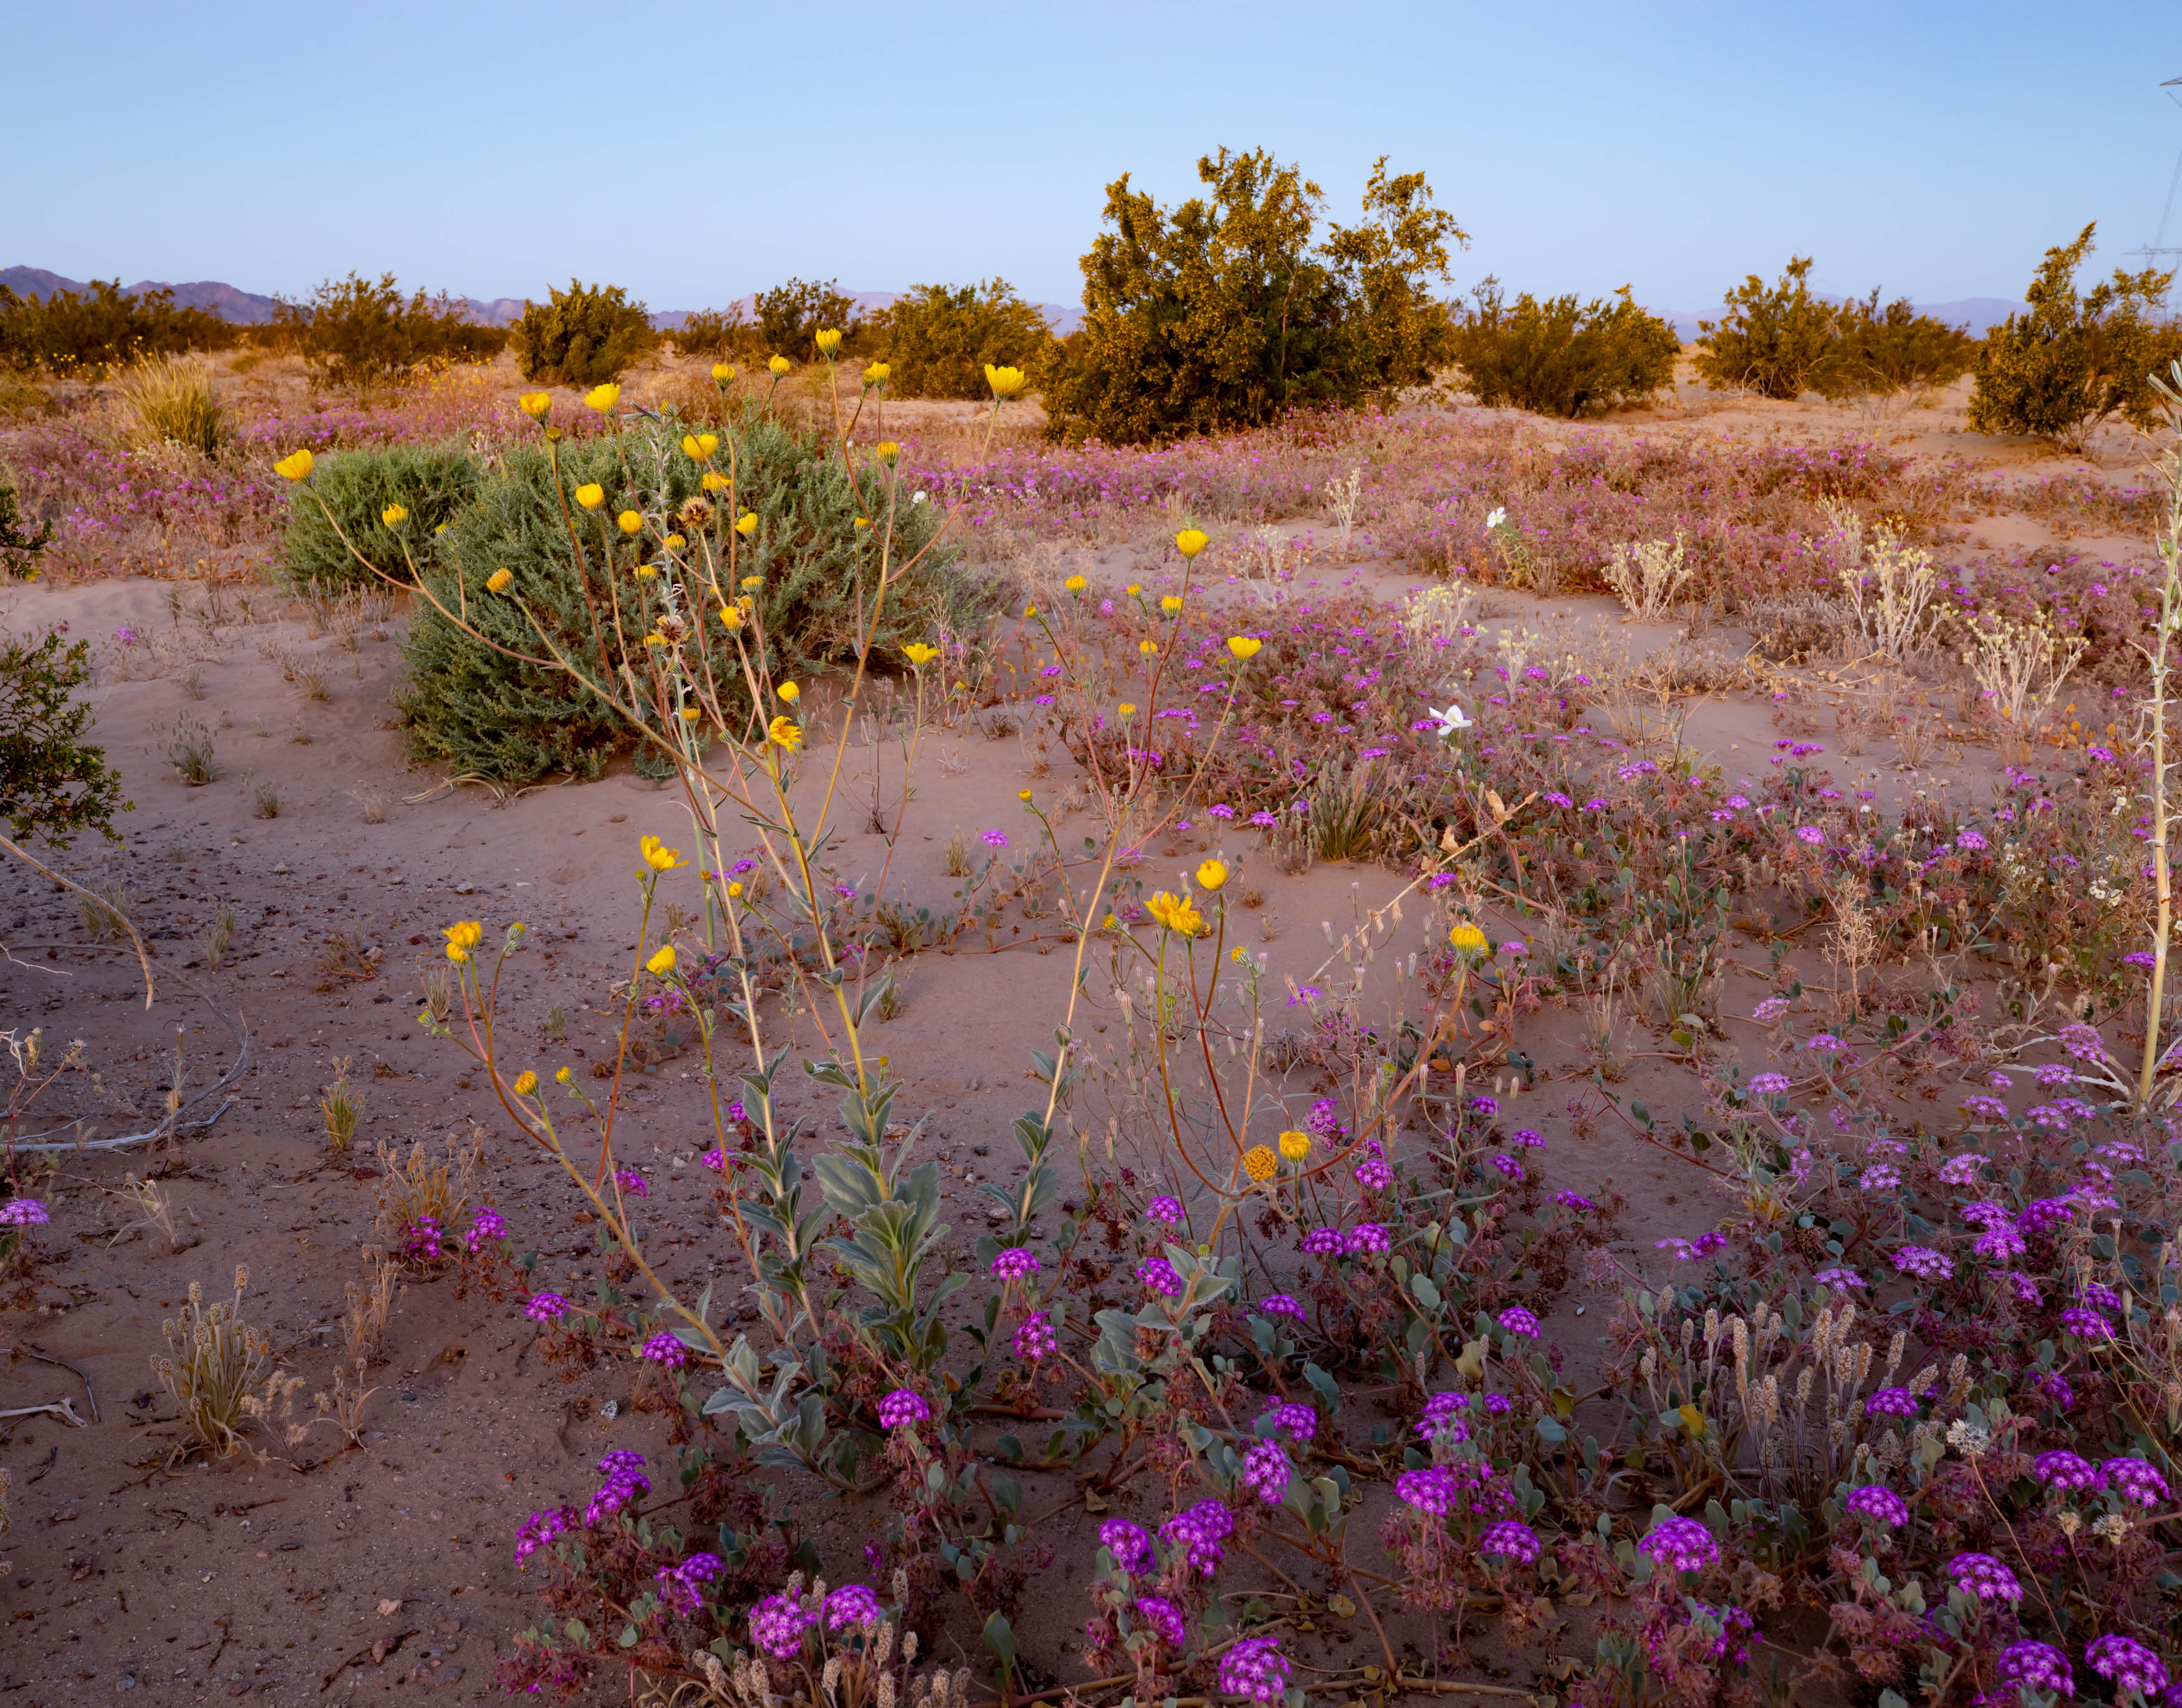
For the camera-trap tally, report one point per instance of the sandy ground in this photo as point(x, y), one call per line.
point(205, 1582)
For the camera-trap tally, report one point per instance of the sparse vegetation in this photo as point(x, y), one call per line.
point(357, 335)
point(1561, 357)
point(585, 336)
point(1771, 339)
point(939, 340)
point(66, 334)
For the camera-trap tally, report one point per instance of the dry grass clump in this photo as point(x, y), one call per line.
point(169, 400)
point(212, 1368)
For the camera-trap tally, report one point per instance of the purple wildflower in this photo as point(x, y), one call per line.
point(852, 1604)
point(902, 1407)
point(1266, 1470)
point(1255, 1668)
point(1129, 1545)
point(545, 1307)
point(1014, 1263)
point(1163, 1619)
point(1985, 1578)
point(1158, 1275)
point(1878, 1503)
point(1680, 1545)
point(1509, 1540)
point(2126, 1664)
point(665, 1350)
point(777, 1625)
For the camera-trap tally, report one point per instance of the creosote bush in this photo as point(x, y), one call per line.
point(355, 334)
point(67, 334)
point(939, 339)
point(1560, 357)
point(585, 336)
point(1882, 352)
point(1769, 339)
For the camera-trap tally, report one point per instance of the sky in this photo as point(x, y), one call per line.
point(694, 152)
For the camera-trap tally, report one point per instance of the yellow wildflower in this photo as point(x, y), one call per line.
point(1176, 913)
point(1258, 1163)
point(752, 583)
point(602, 398)
point(698, 446)
point(1190, 541)
point(1239, 954)
point(690, 714)
point(1125, 710)
point(1295, 1147)
point(887, 451)
point(1149, 647)
point(525, 1083)
point(1075, 583)
point(779, 365)
point(917, 653)
point(735, 890)
point(590, 494)
point(296, 466)
point(500, 581)
point(1007, 382)
point(746, 523)
point(1022, 795)
point(1029, 612)
point(535, 404)
point(828, 340)
point(877, 373)
point(731, 617)
point(395, 515)
point(655, 638)
point(1468, 939)
point(631, 521)
point(658, 856)
point(462, 937)
point(1245, 647)
point(1211, 875)
point(863, 521)
point(784, 733)
point(714, 480)
point(562, 1075)
point(1132, 589)
point(644, 572)
point(675, 542)
point(1169, 605)
point(661, 963)
point(788, 692)
point(724, 373)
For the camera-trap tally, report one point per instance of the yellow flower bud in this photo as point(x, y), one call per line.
point(661, 963)
point(1132, 589)
point(1007, 382)
point(296, 466)
point(591, 495)
point(877, 373)
point(631, 521)
point(1468, 939)
point(1126, 710)
point(731, 617)
point(1259, 1163)
point(690, 714)
point(746, 523)
point(1211, 875)
point(655, 638)
point(646, 572)
point(675, 542)
point(602, 398)
point(535, 404)
point(500, 581)
point(525, 1083)
point(751, 582)
point(779, 365)
point(723, 373)
point(1022, 795)
point(562, 1075)
point(736, 890)
point(828, 341)
point(394, 515)
point(788, 692)
point(1295, 1147)
point(888, 450)
point(1075, 583)
point(1244, 646)
point(1169, 605)
point(1149, 647)
point(1190, 541)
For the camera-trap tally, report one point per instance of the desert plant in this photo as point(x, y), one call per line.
point(341, 1107)
point(790, 317)
point(1882, 352)
point(421, 1197)
point(169, 400)
point(266, 801)
point(585, 336)
point(2063, 368)
point(713, 332)
point(354, 334)
point(104, 910)
point(1560, 357)
point(386, 505)
point(212, 1367)
point(191, 753)
point(1225, 312)
point(155, 1212)
point(488, 714)
point(1770, 338)
point(213, 945)
point(68, 333)
point(940, 339)
point(1890, 587)
point(19, 548)
point(2019, 665)
point(52, 784)
point(1646, 575)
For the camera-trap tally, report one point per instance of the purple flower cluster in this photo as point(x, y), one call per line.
point(1301, 1422)
point(1366, 1238)
point(539, 1529)
point(1164, 1210)
point(2035, 1666)
point(625, 1481)
point(1014, 1263)
point(1509, 1540)
point(1519, 1321)
point(1431, 1488)
point(1892, 1402)
point(778, 1624)
point(903, 1408)
point(23, 1213)
point(1163, 1619)
point(1281, 1305)
point(1985, 1578)
point(666, 1350)
point(1129, 1545)
point(852, 1605)
point(545, 1307)
point(1680, 1545)
point(2126, 1664)
point(1035, 1338)
point(1925, 1264)
point(2068, 1473)
point(1879, 1504)
point(1255, 1669)
point(2135, 1481)
point(488, 1226)
point(1198, 1532)
point(1267, 1470)
point(1158, 1276)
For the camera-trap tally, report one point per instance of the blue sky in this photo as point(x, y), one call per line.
point(692, 153)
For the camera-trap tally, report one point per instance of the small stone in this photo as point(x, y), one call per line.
point(387, 1609)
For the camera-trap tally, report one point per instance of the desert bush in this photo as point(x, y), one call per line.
point(353, 496)
point(1880, 352)
point(584, 335)
point(354, 334)
point(484, 713)
point(65, 333)
point(1225, 312)
point(1560, 357)
point(940, 339)
point(2072, 361)
point(1770, 338)
point(170, 401)
point(790, 316)
point(52, 784)
point(19, 548)
point(714, 332)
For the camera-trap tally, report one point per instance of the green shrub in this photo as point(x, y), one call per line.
point(2064, 367)
point(431, 483)
point(354, 334)
point(716, 333)
point(1880, 352)
point(52, 785)
point(585, 336)
point(19, 549)
point(68, 333)
point(1559, 358)
point(1770, 338)
point(790, 316)
point(938, 339)
point(482, 713)
point(1224, 312)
